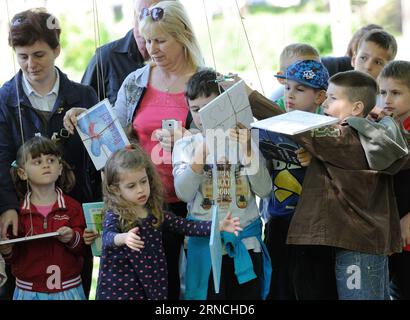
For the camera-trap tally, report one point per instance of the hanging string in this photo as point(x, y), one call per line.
point(250, 48)
point(97, 41)
point(31, 230)
point(15, 82)
point(209, 35)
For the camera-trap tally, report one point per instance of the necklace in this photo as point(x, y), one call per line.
point(168, 86)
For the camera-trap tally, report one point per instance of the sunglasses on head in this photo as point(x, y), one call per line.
point(156, 13)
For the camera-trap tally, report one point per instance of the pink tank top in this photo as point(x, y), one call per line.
point(154, 107)
point(44, 210)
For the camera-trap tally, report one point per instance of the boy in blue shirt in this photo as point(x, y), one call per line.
point(305, 83)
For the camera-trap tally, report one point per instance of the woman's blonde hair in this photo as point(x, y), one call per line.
point(176, 23)
point(131, 158)
point(35, 147)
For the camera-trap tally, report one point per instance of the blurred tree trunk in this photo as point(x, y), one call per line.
point(341, 27)
point(405, 11)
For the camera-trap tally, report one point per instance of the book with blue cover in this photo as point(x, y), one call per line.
point(277, 146)
point(215, 246)
point(94, 216)
point(101, 133)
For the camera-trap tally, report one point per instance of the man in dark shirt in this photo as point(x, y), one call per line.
point(114, 61)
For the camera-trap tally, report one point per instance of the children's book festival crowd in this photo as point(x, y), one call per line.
point(333, 226)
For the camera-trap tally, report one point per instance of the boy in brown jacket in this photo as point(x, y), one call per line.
point(348, 199)
point(347, 202)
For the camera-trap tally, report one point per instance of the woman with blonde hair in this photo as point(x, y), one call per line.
point(155, 93)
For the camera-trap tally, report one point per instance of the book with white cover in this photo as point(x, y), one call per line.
point(101, 132)
point(29, 238)
point(274, 133)
point(227, 109)
point(294, 122)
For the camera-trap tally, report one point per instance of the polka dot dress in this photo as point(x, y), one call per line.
point(126, 274)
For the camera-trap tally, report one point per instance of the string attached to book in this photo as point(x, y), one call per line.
point(97, 135)
point(98, 55)
point(20, 118)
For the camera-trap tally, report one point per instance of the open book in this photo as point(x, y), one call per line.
point(101, 133)
point(294, 122)
point(29, 238)
point(94, 214)
point(215, 246)
point(227, 109)
point(275, 133)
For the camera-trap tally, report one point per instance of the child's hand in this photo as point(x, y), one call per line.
point(133, 241)
point(304, 157)
point(89, 236)
point(199, 158)
point(230, 224)
point(66, 234)
point(6, 249)
point(405, 229)
point(243, 135)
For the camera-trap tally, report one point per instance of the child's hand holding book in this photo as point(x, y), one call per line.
point(89, 236)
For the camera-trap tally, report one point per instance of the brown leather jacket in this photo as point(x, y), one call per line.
point(344, 203)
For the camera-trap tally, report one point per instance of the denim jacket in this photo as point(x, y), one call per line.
point(130, 94)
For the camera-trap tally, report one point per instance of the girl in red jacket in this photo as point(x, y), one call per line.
point(48, 268)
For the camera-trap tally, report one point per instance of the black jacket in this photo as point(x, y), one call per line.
point(70, 95)
point(117, 60)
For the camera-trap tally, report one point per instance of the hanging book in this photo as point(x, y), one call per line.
point(275, 141)
point(294, 122)
point(227, 109)
point(101, 133)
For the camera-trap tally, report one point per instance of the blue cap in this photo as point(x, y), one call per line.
point(307, 72)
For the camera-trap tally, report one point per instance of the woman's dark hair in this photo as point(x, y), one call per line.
point(35, 147)
point(34, 25)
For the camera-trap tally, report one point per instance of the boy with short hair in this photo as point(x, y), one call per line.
point(305, 83)
point(200, 180)
point(374, 51)
point(394, 83)
point(291, 54)
point(348, 202)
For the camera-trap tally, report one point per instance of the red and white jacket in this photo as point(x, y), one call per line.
point(48, 265)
